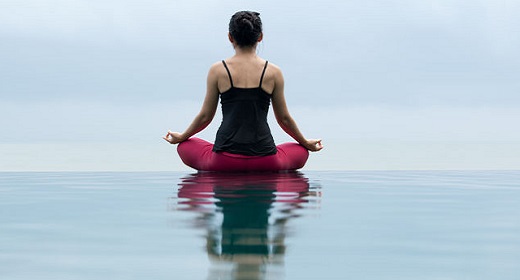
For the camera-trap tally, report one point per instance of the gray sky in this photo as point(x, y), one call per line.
point(424, 78)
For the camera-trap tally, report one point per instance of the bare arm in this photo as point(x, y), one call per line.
point(205, 115)
point(284, 118)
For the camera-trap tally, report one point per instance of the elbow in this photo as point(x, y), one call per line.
point(205, 118)
point(284, 121)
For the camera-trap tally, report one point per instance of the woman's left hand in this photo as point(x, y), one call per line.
point(173, 137)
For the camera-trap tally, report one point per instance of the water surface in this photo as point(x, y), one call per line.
point(310, 225)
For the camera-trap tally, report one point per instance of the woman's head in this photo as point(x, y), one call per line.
point(245, 28)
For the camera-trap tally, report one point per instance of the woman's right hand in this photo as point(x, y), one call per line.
point(313, 145)
point(173, 137)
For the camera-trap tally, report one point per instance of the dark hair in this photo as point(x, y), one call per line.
point(245, 27)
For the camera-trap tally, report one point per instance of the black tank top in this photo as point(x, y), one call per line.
point(244, 129)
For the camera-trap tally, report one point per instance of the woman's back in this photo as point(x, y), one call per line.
point(246, 72)
point(244, 128)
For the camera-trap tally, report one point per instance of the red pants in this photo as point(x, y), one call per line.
point(198, 154)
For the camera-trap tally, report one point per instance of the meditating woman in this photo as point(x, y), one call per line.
point(246, 85)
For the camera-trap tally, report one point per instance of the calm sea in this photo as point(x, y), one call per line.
point(310, 225)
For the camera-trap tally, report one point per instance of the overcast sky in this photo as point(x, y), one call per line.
point(92, 85)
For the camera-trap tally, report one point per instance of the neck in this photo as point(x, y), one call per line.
point(249, 51)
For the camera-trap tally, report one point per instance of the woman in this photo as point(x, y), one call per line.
point(246, 84)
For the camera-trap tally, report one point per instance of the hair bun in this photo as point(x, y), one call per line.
point(245, 27)
point(247, 24)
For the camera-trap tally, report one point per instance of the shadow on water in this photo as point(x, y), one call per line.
point(245, 217)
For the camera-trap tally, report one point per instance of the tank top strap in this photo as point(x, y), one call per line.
point(229, 73)
point(263, 72)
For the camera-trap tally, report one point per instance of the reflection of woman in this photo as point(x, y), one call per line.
point(246, 84)
point(251, 233)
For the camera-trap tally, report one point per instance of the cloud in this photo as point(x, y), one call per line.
point(102, 23)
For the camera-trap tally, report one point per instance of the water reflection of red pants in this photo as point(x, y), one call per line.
point(198, 154)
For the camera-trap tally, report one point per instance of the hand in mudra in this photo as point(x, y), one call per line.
point(313, 145)
point(173, 137)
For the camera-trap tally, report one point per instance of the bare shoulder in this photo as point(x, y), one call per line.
point(275, 72)
point(216, 67)
point(216, 71)
point(275, 69)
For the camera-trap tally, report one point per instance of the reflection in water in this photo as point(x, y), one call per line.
point(245, 216)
